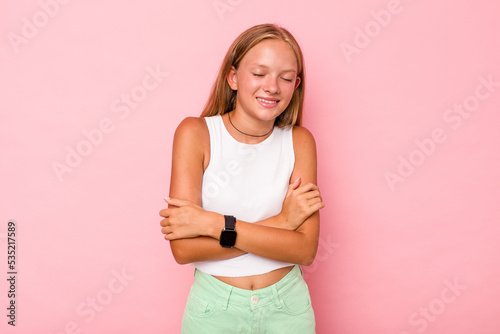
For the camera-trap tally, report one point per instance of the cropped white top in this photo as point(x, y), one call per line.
point(249, 182)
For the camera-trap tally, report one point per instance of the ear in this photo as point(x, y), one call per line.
point(232, 78)
point(297, 82)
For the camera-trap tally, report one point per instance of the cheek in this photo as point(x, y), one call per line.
point(288, 90)
point(247, 84)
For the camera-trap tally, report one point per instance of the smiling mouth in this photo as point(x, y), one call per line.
point(267, 101)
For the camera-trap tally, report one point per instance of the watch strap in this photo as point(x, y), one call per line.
point(230, 222)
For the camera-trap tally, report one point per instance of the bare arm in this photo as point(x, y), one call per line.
point(191, 141)
point(277, 237)
point(300, 245)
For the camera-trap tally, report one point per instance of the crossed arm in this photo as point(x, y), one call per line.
point(291, 236)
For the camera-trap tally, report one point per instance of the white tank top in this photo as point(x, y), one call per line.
point(249, 182)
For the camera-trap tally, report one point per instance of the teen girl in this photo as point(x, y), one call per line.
point(243, 206)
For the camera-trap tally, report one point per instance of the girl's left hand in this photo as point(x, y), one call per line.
point(184, 219)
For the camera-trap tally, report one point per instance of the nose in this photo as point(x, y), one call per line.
point(271, 85)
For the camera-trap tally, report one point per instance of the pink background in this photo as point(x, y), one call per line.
point(418, 254)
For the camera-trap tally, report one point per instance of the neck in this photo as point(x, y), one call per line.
point(248, 129)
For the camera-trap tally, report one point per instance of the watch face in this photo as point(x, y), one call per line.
point(228, 238)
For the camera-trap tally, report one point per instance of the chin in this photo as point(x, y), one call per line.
point(268, 114)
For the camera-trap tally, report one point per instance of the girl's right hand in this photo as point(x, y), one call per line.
point(300, 203)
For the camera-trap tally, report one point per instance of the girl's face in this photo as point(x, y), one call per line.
point(265, 80)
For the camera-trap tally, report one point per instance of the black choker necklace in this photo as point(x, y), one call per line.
point(228, 116)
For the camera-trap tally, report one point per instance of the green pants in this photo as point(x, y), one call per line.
point(216, 307)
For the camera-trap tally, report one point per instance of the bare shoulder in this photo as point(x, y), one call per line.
point(191, 144)
point(303, 139)
point(192, 126)
point(192, 130)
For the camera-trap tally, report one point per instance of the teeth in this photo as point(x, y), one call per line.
point(266, 101)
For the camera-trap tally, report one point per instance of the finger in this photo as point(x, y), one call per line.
point(318, 206)
point(297, 183)
point(311, 194)
point(311, 202)
point(165, 213)
point(171, 236)
point(313, 209)
point(164, 222)
point(306, 187)
point(166, 230)
point(176, 202)
point(292, 186)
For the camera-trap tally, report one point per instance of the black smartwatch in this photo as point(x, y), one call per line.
point(228, 234)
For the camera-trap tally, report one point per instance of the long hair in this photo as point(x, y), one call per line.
point(222, 98)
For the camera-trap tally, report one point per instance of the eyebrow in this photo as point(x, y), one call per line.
point(267, 67)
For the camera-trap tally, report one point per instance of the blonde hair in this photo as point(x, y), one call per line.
point(222, 98)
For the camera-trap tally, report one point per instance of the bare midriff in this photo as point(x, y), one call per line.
point(256, 281)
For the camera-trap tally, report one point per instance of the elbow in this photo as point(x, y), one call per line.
point(308, 257)
point(181, 260)
point(307, 261)
point(180, 256)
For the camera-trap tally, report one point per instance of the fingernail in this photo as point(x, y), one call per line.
point(296, 180)
point(166, 198)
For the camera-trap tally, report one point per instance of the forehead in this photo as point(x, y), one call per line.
point(271, 53)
